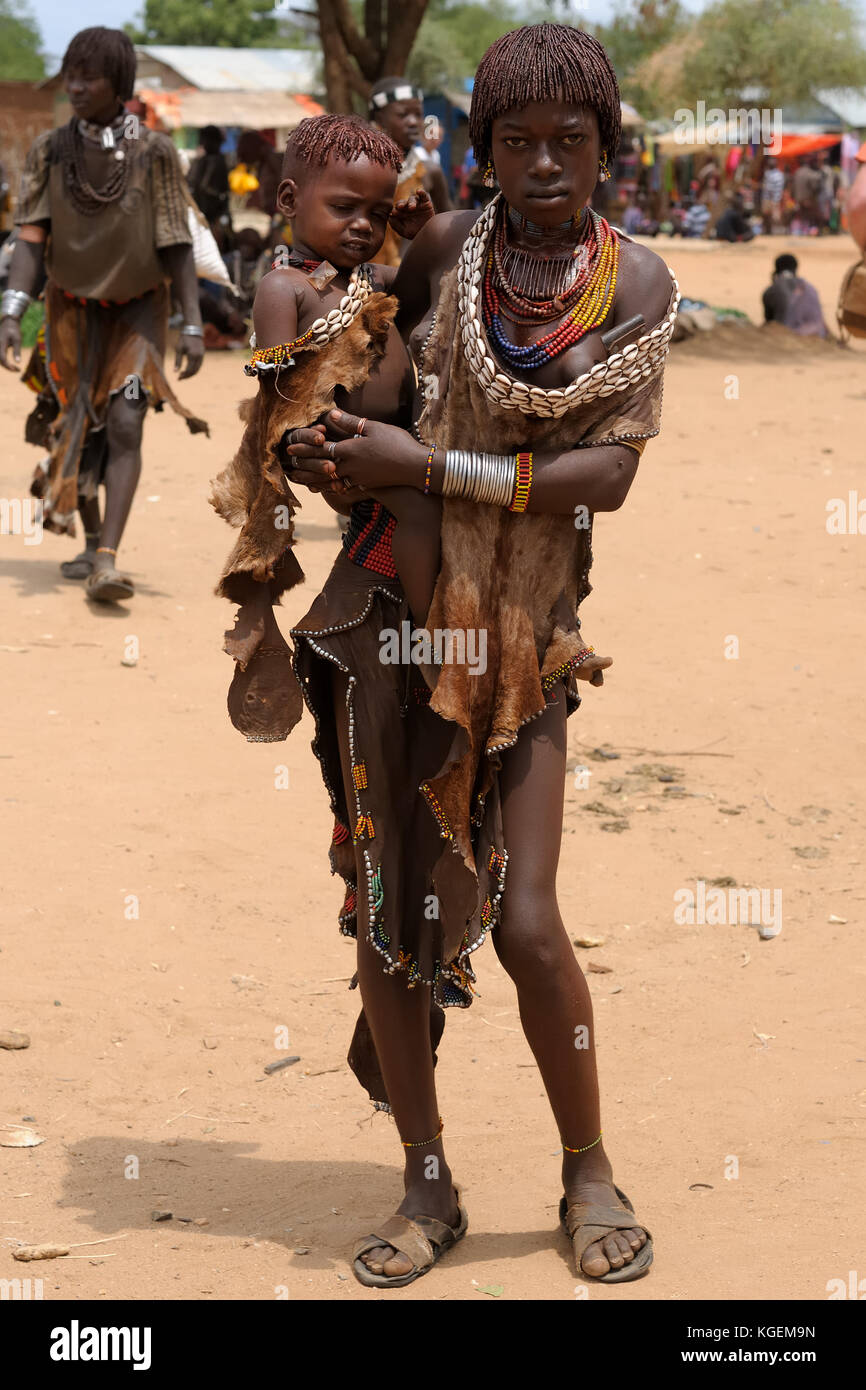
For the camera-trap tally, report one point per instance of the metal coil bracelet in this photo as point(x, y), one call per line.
point(489, 478)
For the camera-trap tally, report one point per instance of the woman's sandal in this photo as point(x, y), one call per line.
point(109, 586)
point(421, 1239)
point(586, 1223)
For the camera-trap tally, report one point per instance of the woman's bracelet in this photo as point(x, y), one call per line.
point(500, 480)
point(489, 478)
point(13, 304)
point(520, 500)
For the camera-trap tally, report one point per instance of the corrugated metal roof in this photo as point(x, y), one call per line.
point(847, 102)
point(239, 69)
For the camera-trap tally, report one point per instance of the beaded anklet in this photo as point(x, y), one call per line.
point(422, 1143)
point(585, 1147)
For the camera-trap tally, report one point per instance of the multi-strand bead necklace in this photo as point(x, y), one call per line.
point(584, 304)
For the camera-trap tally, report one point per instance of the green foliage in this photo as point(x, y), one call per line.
point(786, 48)
point(638, 29)
point(20, 43)
point(453, 37)
point(221, 23)
point(31, 323)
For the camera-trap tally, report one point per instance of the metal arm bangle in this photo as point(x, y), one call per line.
point(13, 304)
point(488, 478)
point(191, 330)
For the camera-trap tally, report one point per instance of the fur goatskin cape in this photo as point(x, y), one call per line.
point(253, 493)
point(520, 577)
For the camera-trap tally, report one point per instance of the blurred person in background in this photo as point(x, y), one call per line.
point(209, 183)
point(102, 210)
point(855, 206)
point(397, 106)
point(792, 301)
point(733, 224)
point(772, 190)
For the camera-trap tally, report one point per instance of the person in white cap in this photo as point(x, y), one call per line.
point(398, 107)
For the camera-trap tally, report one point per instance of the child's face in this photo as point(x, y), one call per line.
point(340, 212)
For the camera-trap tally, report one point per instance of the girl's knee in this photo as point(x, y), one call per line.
point(530, 940)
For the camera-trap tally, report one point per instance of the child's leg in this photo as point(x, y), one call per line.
point(415, 545)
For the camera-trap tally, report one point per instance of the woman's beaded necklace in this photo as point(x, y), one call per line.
point(585, 304)
point(621, 371)
point(82, 195)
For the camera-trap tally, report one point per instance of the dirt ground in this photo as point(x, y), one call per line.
point(167, 903)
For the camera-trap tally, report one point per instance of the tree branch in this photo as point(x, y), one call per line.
point(404, 21)
point(373, 24)
point(357, 44)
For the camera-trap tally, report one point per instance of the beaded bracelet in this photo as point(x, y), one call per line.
point(280, 355)
point(523, 483)
point(429, 469)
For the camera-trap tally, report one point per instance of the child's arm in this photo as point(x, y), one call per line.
point(277, 307)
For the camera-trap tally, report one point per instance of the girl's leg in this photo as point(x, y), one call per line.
point(399, 1020)
point(553, 998)
point(124, 424)
point(81, 566)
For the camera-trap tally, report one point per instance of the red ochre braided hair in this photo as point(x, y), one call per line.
point(319, 139)
point(544, 62)
point(106, 51)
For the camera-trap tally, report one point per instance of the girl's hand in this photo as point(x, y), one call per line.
point(382, 456)
point(409, 215)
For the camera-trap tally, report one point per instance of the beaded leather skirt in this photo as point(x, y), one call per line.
point(403, 877)
point(92, 350)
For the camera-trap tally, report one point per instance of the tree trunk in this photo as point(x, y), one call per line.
point(355, 60)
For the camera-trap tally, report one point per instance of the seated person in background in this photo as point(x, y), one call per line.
point(734, 225)
point(631, 219)
point(792, 301)
point(696, 219)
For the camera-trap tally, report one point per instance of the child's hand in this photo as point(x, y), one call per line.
point(409, 215)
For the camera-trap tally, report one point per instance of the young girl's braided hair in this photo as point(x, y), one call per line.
point(544, 62)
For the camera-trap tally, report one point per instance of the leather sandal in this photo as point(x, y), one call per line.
point(109, 586)
point(586, 1223)
point(79, 568)
point(421, 1239)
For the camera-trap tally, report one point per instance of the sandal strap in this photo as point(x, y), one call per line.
point(587, 1223)
point(415, 1238)
point(402, 1234)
